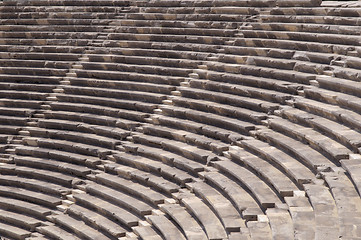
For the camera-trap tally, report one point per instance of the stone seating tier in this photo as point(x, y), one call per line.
point(64, 157)
point(278, 218)
point(111, 211)
point(183, 136)
point(305, 154)
point(52, 165)
point(35, 63)
point(336, 20)
point(108, 102)
point(59, 21)
point(186, 119)
point(195, 127)
point(34, 184)
point(13, 232)
point(78, 44)
point(24, 207)
point(91, 139)
point(169, 158)
point(168, 229)
point(68, 3)
point(96, 221)
point(69, 146)
point(322, 11)
point(152, 180)
point(183, 149)
point(52, 231)
point(57, 28)
point(225, 81)
point(131, 204)
point(105, 131)
point(163, 49)
point(264, 72)
point(298, 44)
point(270, 174)
point(41, 174)
point(245, 202)
point(187, 17)
point(18, 103)
point(339, 85)
point(214, 40)
point(42, 15)
point(78, 227)
point(178, 23)
point(90, 110)
point(231, 220)
point(131, 76)
point(232, 124)
point(10, 120)
point(92, 119)
point(212, 225)
point(104, 92)
point(134, 189)
point(145, 162)
point(295, 169)
point(159, 61)
point(146, 231)
point(67, 52)
point(31, 196)
point(149, 69)
point(246, 3)
point(314, 27)
point(340, 133)
point(204, 105)
point(188, 224)
point(25, 222)
point(41, 88)
point(317, 140)
point(329, 102)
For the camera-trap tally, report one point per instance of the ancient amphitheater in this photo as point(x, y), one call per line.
point(180, 119)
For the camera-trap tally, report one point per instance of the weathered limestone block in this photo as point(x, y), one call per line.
point(110, 210)
point(54, 231)
point(13, 232)
point(166, 227)
point(190, 227)
point(298, 3)
point(281, 223)
point(209, 220)
point(96, 220)
point(146, 232)
point(79, 227)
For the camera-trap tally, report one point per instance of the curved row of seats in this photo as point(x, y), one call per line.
point(179, 120)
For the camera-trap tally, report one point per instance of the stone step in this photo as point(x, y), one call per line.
point(78, 227)
point(188, 224)
point(31, 196)
point(267, 171)
point(111, 211)
point(212, 225)
point(130, 203)
point(96, 220)
point(25, 207)
point(222, 207)
point(13, 232)
point(294, 169)
point(166, 227)
point(53, 231)
point(132, 188)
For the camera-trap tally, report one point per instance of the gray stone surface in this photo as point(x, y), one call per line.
point(166, 227)
point(107, 208)
point(212, 225)
point(110, 108)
